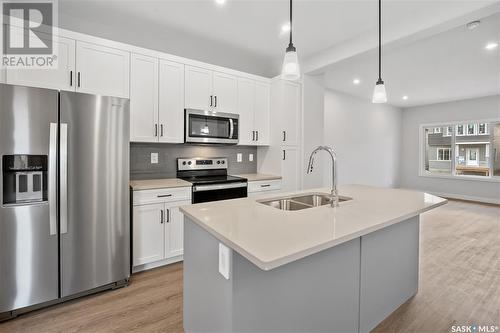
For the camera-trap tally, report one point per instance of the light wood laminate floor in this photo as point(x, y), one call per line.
point(459, 285)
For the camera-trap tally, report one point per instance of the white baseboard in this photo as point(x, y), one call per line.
point(159, 263)
point(467, 198)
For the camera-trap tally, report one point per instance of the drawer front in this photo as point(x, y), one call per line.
point(161, 195)
point(264, 186)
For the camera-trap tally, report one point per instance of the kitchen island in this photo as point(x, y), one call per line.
point(250, 267)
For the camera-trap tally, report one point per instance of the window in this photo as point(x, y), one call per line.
point(483, 129)
point(444, 154)
point(462, 150)
point(471, 129)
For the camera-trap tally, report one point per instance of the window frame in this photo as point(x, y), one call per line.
point(422, 148)
point(443, 149)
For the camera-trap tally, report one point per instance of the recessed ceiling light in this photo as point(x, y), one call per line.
point(405, 97)
point(491, 46)
point(356, 81)
point(473, 25)
point(220, 2)
point(285, 28)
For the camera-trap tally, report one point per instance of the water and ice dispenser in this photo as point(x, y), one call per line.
point(24, 179)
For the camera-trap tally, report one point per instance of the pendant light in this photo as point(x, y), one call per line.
point(379, 94)
point(291, 69)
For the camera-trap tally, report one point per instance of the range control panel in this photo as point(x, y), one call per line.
point(199, 163)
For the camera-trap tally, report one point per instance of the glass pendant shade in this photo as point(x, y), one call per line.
point(291, 68)
point(379, 94)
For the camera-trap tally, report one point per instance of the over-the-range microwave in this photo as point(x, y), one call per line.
point(211, 127)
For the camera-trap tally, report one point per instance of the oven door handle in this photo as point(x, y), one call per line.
point(231, 128)
point(201, 188)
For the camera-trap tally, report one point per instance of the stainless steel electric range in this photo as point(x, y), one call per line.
point(210, 179)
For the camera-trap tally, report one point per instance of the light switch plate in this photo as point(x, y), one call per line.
point(239, 157)
point(250, 157)
point(224, 261)
point(154, 158)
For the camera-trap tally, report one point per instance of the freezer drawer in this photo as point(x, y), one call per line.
point(94, 148)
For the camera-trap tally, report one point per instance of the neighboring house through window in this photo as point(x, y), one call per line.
point(444, 154)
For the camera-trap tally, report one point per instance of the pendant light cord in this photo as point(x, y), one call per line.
point(291, 43)
point(380, 40)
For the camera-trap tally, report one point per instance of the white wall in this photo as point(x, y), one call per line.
point(366, 138)
point(471, 109)
point(312, 129)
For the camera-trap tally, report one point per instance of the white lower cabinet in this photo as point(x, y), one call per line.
point(158, 228)
point(148, 234)
point(264, 187)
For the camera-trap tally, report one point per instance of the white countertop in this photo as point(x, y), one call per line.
point(269, 237)
point(153, 184)
point(253, 177)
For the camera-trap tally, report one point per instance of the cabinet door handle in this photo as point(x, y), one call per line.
point(168, 215)
point(257, 136)
point(284, 155)
point(211, 100)
point(284, 135)
point(161, 130)
point(79, 80)
point(265, 185)
point(156, 130)
point(215, 101)
point(161, 216)
point(164, 195)
point(71, 78)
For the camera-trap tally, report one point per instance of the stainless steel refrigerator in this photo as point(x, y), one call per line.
point(64, 195)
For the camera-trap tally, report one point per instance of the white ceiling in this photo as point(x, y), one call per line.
point(254, 25)
point(451, 65)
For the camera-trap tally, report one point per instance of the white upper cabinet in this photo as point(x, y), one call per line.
point(62, 77)
point(198, 88)
point(102, 70)
point(171, 110)
point(225, 91)
point(246, 110)
point(291, 113)
point(143, 98)
point(262, 113)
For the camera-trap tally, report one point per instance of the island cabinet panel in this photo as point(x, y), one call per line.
point(319, 293)
point(389, 271)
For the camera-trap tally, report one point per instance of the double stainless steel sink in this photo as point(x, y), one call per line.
point(302, 201)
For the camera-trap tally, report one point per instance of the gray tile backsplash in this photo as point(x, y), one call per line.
point(141, 167)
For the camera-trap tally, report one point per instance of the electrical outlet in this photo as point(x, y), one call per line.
point(224, 261)
point(154, 158)
point(250, 157)
point(239, 157)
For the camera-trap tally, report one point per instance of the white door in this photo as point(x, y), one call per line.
point(148, 234)
point(472, 156)
point(62, 78)
point(198, 88)
point(174, 229)
point(246, 102)
point(262, 115)
point(143, 98)
point(102, 70)
point(171, 111)
point(290, 169)
point(225, 89)
point(291, 113)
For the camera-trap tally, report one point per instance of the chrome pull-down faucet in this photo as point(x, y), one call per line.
point(334, 193)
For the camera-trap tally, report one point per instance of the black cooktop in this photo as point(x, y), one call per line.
point(219, 179)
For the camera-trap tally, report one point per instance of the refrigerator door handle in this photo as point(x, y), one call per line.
point(53, 178)
point(63, 146)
